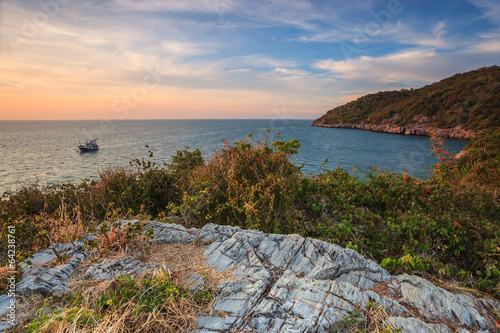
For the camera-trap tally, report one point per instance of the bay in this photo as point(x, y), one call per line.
point(46, 151)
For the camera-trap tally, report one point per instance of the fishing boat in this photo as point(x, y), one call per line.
point(89, 145)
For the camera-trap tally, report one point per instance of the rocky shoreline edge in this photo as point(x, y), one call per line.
point(279, 283)
point(410, 129)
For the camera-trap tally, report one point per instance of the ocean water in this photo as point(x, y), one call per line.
point(46, 151)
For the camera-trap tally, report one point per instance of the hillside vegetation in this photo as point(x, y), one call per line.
point(469, 99)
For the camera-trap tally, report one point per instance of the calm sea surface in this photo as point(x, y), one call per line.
point(46, 151)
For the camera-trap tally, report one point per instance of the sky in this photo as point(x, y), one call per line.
point(274, 59)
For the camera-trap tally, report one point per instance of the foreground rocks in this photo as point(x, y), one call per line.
point(287, 283)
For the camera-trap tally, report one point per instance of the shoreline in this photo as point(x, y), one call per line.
point(410, 129)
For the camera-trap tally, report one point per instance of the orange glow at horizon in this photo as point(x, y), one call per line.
point(163, 102)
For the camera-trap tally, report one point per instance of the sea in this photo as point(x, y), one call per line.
point(46, 151)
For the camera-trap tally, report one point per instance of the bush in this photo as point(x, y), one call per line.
point(481, 162)
point(249, 184)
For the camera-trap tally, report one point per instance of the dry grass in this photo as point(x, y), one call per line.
point(185, 260)
point(113, 238)
point(4, 273)
point(27, 306)
point(373, 319)
point(177, 314)
point(377, 320)
point(65, 232)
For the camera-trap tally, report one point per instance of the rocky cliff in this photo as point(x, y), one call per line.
point(410, 129)
point(283, 283)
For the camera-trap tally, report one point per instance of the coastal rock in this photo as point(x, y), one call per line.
point(5, 305)
point(421, 129)
point(44, 279)
point(288, 283)
point(4, 325)
point(110, 269)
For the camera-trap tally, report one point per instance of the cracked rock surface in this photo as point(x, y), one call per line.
point(287, 283)
point(284, 283)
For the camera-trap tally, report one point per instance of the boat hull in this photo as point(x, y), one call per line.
point(89, 146)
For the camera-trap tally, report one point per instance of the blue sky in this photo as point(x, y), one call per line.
point(69, 59)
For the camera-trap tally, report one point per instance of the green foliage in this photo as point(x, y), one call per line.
point(470, 99)
point(248, 184)
point(409, 224)
point(183, 162)
point(148, 295)
point(350, 323)
point(481, 161)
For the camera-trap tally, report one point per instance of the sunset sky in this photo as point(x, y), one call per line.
point(124, 59)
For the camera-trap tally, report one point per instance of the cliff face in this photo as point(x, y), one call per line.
point(410, 129)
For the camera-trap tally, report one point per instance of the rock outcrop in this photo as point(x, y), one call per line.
point(421, 129)
point(287, 283)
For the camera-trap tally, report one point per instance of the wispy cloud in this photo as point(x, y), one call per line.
point(397, 32)
point(403, 67)
point(433, 37)
point(411, 67)
point(490, 9)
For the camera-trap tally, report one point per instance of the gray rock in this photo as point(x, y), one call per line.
point(195, 282)
point(287, 283)
point(110, 269)
point(168, 233)
point(47, 280)
point(5, 303)
point(414, 325)
point(4, 325)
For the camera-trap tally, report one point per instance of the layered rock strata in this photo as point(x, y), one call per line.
point(409, 129)
point(287, 283)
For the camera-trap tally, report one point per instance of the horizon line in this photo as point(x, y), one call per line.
point(157, 119)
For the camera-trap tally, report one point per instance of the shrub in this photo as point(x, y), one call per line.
point(481, 162)
point(248, 184)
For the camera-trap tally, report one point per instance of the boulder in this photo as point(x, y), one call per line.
point(287, 283)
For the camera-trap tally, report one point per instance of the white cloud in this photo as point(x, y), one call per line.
point(109, 46)
point(410, 67)
point(489, 8)
point(288, 71)
point(398, 32)
point(213, 6)
point(404, 34)
point(488, 46)
point(332, 35)
point(186, 48)
point(407, 67)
